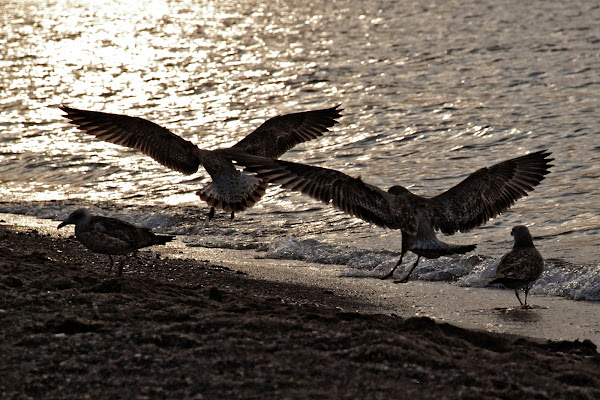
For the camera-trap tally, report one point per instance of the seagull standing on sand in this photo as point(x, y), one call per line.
point(520, 266)
point(481, 196)
point(230, 189)
point(111, 236)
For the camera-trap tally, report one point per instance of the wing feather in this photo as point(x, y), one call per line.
point(488, 192)
point(279, 134)
point(145, 136)
point(348, 194)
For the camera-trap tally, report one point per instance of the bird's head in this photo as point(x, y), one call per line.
point(522, 236)
point(398, 190)
point(76, 217)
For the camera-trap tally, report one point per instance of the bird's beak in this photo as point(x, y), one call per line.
point(61, 225)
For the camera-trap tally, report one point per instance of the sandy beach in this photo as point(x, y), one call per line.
point(271, 304)
point(175, 327)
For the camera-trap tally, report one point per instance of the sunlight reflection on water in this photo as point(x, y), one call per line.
point(425, 103)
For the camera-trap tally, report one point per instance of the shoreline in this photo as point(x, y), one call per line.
point(488, 309)
point(183, 328)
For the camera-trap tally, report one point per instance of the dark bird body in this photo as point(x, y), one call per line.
point(111, 236)
point(230, 190)
point(522, 265)
point(481, 196)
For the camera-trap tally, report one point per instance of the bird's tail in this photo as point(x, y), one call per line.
point(495, 280)
point(433, 248)
point(235, 194)
point(162, 239)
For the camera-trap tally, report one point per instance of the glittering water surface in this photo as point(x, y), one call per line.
point(431, 92)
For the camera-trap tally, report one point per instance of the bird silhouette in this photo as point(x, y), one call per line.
point(483, 195)
point(230, 190)
point(520, 266)
point(111, 236)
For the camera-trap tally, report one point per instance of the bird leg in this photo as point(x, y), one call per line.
point(389, 274)
point(405, 279)
point(232, 215)
point(526, 293)
point(517, 294)
point(120, 270)
point(211, 214)
point(112, 263)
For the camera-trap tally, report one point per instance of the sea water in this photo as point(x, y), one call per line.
point(431, 92)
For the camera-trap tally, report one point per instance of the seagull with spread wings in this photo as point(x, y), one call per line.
point(481, 196)
point(230, 189)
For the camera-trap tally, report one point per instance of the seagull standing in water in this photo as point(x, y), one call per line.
point(520, 266)
point(230, 189)
point(481, 196)
point(111, 236)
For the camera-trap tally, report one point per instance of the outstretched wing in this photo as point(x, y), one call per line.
point(488, 192)
point(151, 139)
point(279, 134)
point(348, 194)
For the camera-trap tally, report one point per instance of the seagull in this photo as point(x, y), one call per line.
point(520, 266)
point(481, 196)
point(111, 236)
point(230, 189)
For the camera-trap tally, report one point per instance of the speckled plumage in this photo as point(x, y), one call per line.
point(111, 236)
point(522, 265)
point(481, 196)
point(271, 139)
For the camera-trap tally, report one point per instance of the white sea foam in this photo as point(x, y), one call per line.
point(559, 278)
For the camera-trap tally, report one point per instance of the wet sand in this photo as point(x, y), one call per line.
point(491, 309)
point(178, 327)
